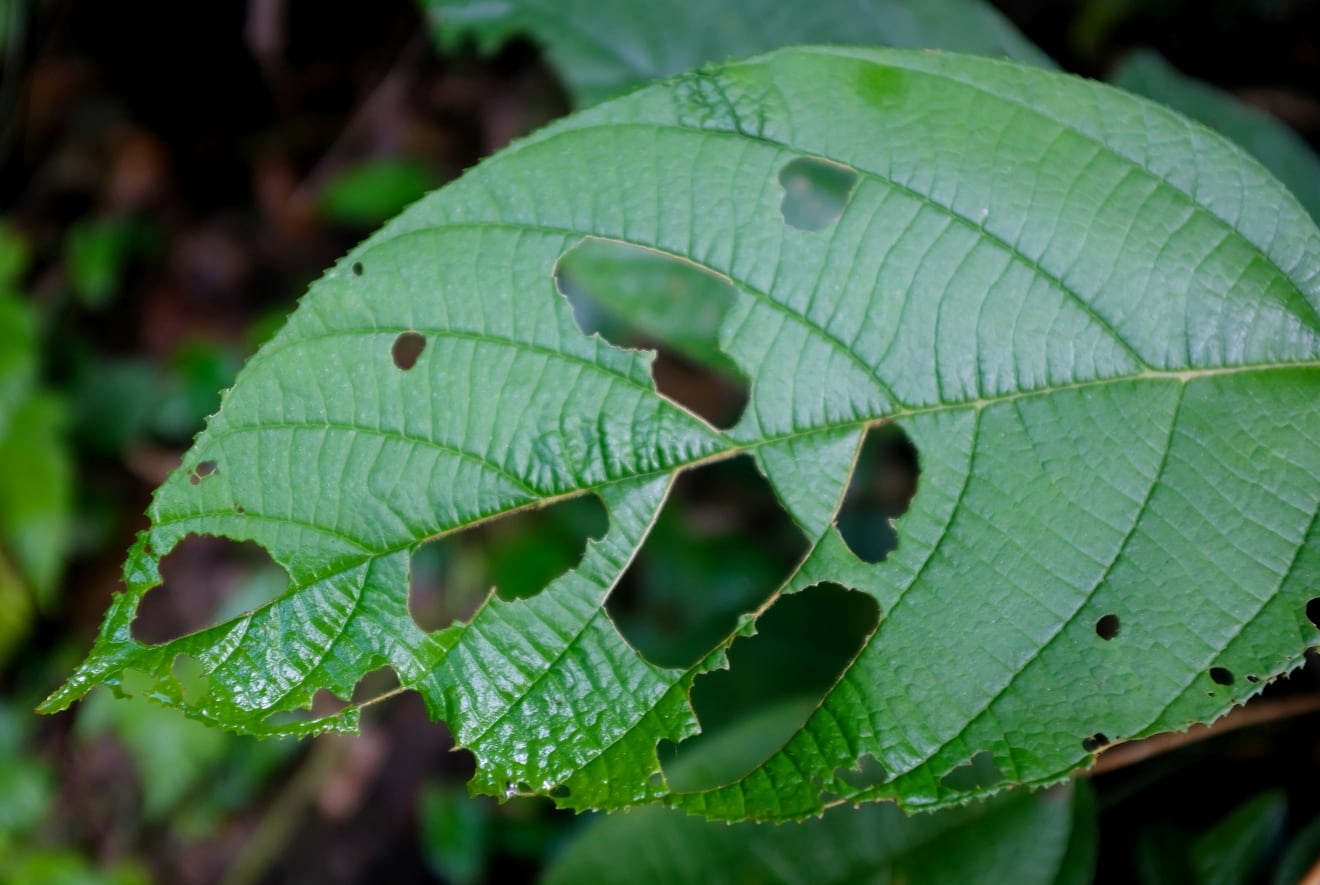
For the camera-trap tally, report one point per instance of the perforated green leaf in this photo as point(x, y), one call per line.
point(605, 49)
point(1097, 322)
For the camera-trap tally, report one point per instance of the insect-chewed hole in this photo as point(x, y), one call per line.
point(719, 548)
point(357, 268)
point(1107, 627)
point(192, 677)
point(776, 679)
point(1094, 742)
point(815, 192)
point(880, 490)
point(1313, 611)
point(203, 469)
point(1221, 676)
point(868, 772)
point(407, 349)
point(518, 555)
point(978, 773)
point(206, 581)
point(642, 299)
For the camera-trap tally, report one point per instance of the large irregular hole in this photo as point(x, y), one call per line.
point(517, 555)
point(880, 490)
point(775, 681)
point(978, 773)
point(642, 299)
point(815, 192)
point(719, 548)
point(206, 581)
point(407, 349)
point(1107, 627)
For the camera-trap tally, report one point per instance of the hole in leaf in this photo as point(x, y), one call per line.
point(407, 349)
point(978, 773)
point(867, 773)
point(638, 298)
point(776, 679)
point(518, 554)
point(719, 548)
point(206, 581)
point(1313, 611)
point(1094, 742)
point(380, 681)
point(1221, 675)
point(880, 490)
point(815, 192)
point(203, 469)
point(1107, 627)
point(1253, 678)
point(192, 677)
point(357, 268)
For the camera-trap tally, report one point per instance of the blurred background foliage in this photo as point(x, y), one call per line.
point(171, 178)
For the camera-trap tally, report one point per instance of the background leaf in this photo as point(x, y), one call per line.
point(1020, 837)
point(606, 49)
point(1097, 323)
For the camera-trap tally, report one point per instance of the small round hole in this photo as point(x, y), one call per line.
point(1253, 678)
point(1221, 675)
point(407, 348)
point(1107, 627)
point(1094, 742)
point(357, 268)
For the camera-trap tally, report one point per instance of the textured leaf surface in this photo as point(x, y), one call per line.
point(1096, 321)
point(1282, 150)
point(606, 49)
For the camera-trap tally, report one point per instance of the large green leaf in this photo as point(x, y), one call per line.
point(1097, 322)
point(606, 49)
point(1282, 150)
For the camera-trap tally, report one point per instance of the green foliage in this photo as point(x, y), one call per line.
point(1021, 837)
point(27, 785)
point(36, 485)
point(370, 193)
point(606, 49)
point(1098, 323)
point(97, 254)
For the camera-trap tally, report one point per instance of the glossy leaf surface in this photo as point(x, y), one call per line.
point(1098, 323)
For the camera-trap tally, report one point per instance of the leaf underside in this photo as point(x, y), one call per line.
point(1098, 323)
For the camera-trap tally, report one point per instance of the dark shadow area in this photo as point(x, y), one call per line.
point(1107, 627)
point(883, 482)
point(641, 299)
point(518, 555)
point(720, 547)
point(206, 581)
point(774, 682)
